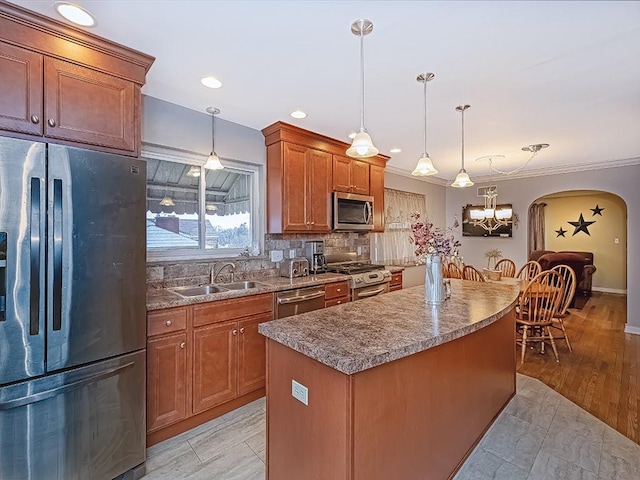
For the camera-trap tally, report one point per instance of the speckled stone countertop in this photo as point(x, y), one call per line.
point(359, 335)
point(166, 298)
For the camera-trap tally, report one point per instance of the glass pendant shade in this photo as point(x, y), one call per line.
point(213, 162)
point(193, 171)
point(424, 167)
point(362, 146)
point(462, 180)
point(167, 202)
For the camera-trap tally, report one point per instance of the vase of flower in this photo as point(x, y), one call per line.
point(434, 280)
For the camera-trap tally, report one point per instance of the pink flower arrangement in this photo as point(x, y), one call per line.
point(431, 240)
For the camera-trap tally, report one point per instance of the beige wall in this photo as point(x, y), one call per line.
point(610, 258)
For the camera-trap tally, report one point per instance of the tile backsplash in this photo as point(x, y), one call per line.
point(167, 274)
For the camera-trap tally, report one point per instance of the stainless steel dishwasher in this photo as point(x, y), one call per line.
point(300, 300)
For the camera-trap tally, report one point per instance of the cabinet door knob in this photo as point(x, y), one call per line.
point(313, 223)
point(235, 332)
point(168, 323)
point(51, 122)
point(338, 289)
point(35, 119)
point(182, 345)
point(242, 330)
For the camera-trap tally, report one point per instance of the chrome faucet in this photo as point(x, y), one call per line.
point(214, 276)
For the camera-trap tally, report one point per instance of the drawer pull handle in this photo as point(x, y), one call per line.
point(52, 122)
point(35, 119)
point(242, 330)
point(235, 332)
point(338, 290)
point(168, 323)
point(182, 345)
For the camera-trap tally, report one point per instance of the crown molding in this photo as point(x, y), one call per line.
point(405, 173)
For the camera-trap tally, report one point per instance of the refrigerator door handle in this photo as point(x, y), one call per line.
point(34, 274)
point(57, 254)
point(40, 396)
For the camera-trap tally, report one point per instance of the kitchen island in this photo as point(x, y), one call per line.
point(388, 387)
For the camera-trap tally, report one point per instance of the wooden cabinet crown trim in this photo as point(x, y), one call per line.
point(45, 35)
point(281, 131)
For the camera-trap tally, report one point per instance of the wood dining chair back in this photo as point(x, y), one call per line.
point(470, 273)
point(507, 267)
point(529, 270)
point(570, 283)
point(454, 271)
point(538, 304)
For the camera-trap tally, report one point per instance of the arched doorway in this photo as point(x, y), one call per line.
point(589, 221)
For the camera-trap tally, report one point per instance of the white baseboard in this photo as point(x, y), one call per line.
point(609, 290)
point(633, 330)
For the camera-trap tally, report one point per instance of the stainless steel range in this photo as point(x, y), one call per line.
point(366, 280)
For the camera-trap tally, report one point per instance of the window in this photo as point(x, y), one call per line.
point(194, 212)
point(394, 246)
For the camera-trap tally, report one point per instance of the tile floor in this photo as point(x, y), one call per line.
point(539, 436)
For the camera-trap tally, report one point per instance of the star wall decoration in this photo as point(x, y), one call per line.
point(596, 211)
point(581, 226)
point(561, 232)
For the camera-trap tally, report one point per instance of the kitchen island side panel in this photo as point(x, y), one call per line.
point(414, 418)
point(420, 417)
point(306, 441)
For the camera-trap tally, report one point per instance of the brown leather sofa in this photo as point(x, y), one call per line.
point(580, 262)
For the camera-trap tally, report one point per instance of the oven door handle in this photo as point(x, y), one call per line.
point(371, 294)
point(301, 298)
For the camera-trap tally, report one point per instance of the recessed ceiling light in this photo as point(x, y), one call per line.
point(352, 135)
point(298, 114)
point(395, 150)
point(75, 14)
point(211, 82)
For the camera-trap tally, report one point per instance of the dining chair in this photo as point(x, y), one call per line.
point(506, 267)
point(539, 303)
point(570, 282)
point(454, 271)
point(529, 270)
point(470, 273)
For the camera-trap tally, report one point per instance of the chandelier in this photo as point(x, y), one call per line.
point(491, 217)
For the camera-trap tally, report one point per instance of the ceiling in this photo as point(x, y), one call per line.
point(562, 73)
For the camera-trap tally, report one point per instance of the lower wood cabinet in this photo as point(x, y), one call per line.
point(166, 392)
point(396, 282)
point(336, 293)
point(201, 357)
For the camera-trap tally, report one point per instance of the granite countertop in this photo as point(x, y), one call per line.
point(359, 335)
point(166, 298)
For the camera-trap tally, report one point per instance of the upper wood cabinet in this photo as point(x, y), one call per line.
point(303, 169)
point(350, 175)
point(376, 183)
point(67, 85)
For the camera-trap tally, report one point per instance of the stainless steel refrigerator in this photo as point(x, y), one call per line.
point(72, 312)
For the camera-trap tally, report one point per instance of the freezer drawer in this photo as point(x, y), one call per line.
point(86, 423)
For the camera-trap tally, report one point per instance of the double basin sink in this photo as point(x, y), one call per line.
point(191, 291)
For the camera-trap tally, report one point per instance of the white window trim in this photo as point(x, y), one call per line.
point(175, 155)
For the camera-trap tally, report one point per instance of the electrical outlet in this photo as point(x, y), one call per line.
point(292, 253)
point(300, 392)
point(276, 255)
point(359, 250)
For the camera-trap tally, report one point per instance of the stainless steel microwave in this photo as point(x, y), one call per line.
point(352, 212)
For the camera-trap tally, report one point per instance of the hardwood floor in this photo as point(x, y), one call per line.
point(602, 375)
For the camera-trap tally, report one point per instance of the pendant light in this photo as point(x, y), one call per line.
point(194, 171)
point(425, 166)
point(213, 162)
point(362, 145)
point(462, 179)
